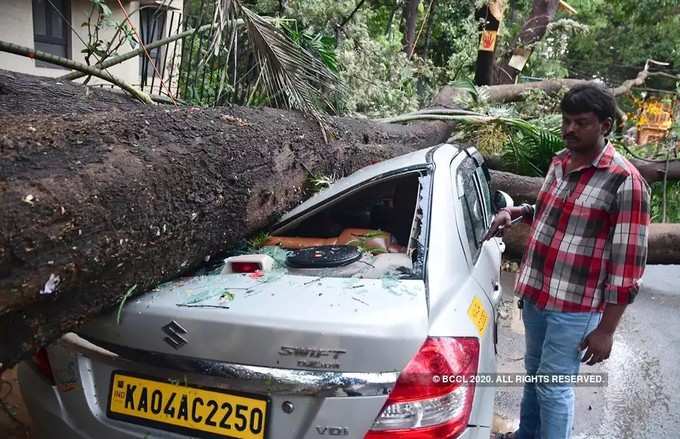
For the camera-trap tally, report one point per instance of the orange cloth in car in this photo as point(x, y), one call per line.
point(384, 241)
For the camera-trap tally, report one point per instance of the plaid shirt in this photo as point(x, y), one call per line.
point(588, 240)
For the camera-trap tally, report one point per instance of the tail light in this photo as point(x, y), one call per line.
point(423, 404)
point(245, 267)
point(42, 363)
point(254, 264)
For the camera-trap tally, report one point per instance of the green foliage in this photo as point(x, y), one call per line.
point(456, 43)
point(623, 35)
point(380, 78)
point(250, 60)
point(100, 18)
point(477, 95)
point(672, 202)
point(323, 47)
point(320, 182)
point(361, 242)
point(258, 241)
point(532, 146)
point(491, 138)
point(550, 53)
point(537, 103)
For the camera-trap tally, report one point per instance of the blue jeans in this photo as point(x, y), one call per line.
point(552, 347)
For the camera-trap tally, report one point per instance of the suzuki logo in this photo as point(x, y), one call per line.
point(174, 335)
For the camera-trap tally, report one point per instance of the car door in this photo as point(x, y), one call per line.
point(483, 266)
point(483, 257)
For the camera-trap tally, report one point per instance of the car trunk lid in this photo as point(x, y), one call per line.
point(276, 320)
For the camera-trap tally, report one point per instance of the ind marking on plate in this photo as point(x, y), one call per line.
point(478, 315)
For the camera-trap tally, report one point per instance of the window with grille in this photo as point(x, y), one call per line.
point(50, 29)
point(152, 26)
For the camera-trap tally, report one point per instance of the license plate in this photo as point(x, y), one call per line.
point(187, 409)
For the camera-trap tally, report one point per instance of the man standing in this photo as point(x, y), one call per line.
point(585, 256)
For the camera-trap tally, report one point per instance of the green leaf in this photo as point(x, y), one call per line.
point(106, 11)
point(290, 74)
point(122, 302)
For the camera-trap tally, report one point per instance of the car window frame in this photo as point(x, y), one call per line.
point(471, 255)
point(482, 183)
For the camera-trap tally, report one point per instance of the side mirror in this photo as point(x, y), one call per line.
point(501, 200)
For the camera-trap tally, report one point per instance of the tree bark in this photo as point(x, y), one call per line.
point(664, 242)
point(527, 187)
point(449, 97)
point(103, 194)
point(490, 16)
point(428, 29)
point(542, 13)
point(410, 22)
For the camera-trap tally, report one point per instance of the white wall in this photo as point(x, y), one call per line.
point(127, 71)
point(16, 26)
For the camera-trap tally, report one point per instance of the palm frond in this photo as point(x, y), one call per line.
point(531, 146)
point(290, 76)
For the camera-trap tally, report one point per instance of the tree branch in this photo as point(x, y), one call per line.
point(162, 42)
point(87, 70)
point(349, 17)
point(448, 95)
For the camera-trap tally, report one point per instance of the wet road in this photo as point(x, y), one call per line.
point(642, 398)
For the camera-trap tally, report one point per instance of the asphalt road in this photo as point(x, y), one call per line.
point(642, 396)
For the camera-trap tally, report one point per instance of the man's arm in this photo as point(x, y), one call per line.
point(626, 265)
point(599, 342)
point(503, 219)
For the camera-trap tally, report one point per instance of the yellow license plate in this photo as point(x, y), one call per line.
point(187, 409)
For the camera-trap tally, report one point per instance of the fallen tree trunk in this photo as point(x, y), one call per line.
point(449, 97)
point(664, 242)
point(527, 187)
point(94, 202)
point(664, 239)
point(522, 189)
point(100, 193)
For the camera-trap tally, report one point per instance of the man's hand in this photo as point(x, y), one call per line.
point(501, 222)
point(599, 346)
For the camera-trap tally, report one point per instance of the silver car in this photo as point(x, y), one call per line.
point(347, 320)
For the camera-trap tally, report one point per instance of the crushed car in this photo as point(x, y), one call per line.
point(341, 323)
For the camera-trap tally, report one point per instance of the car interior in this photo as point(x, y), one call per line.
point(381, 219)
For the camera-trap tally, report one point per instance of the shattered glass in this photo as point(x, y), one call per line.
point(371, 210)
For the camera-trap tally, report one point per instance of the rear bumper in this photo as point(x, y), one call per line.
point(476, 433)
point(51, 419)
point(43, 402)
point(76, 408)
point(68, 414)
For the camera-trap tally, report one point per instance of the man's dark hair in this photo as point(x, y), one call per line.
point(590, 97)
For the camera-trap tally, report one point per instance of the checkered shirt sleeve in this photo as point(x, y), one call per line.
point(628, 241)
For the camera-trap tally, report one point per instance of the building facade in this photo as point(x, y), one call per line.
point(66, 27)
